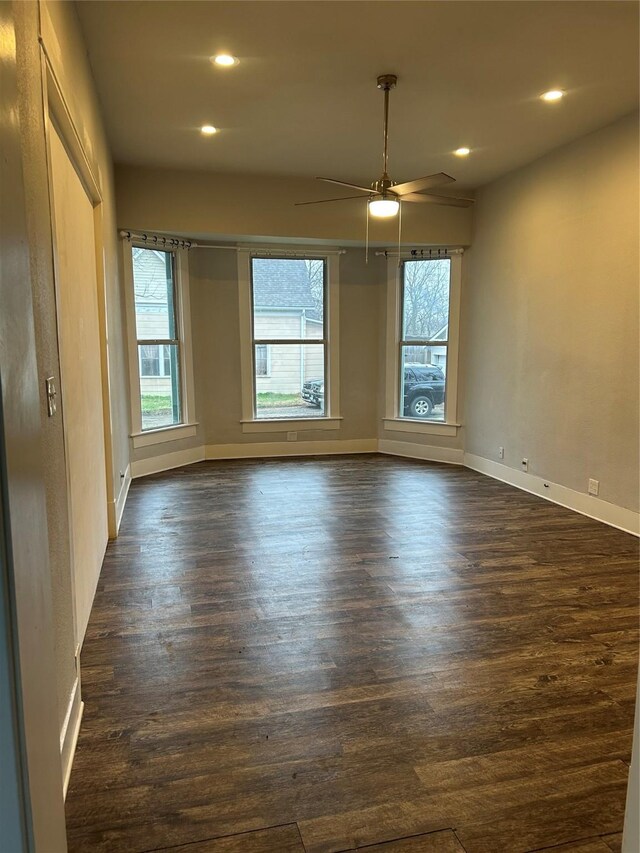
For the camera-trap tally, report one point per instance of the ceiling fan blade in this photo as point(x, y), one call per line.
point(430, 198)
point(345, 184)
point(323, 200)
point(420, 184)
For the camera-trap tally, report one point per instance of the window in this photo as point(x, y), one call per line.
point(422, 335)
point(424, 338)
point(288, 297)
point(161, 375)
point(157, 333)
point(288, 331)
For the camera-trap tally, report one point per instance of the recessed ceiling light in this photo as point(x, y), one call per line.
point(208, 130)
point(224, 59)
point(462, 152)
point(552, 95)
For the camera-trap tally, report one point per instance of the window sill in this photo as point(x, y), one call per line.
point(426, 427)
point(160, 436)
point(289, 425)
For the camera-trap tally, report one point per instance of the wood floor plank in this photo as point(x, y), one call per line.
point(370, 648)
point(613, 841)
point(589, 845)
point(510, 815)
point(434, 842)
point(279, 839)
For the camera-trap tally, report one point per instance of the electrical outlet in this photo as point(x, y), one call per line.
point(292, 436)
point(525, 463)
point(594, 487)
point(501, 452)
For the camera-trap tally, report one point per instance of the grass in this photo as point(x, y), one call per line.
point(160, 404)
point(155, 404)
point(269, 399)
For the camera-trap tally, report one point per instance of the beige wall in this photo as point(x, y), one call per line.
point(550, 333)
point(237, 206)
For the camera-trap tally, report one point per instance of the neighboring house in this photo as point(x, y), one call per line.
point(427, 355)
point(284, 307)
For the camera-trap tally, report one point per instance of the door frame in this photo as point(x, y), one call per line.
point(57, 111)
point(57, 114)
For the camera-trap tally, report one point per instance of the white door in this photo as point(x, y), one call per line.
point(81, 375)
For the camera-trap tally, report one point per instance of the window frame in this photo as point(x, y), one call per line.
point(331, 418)
point(395, 341)
point(182, 307)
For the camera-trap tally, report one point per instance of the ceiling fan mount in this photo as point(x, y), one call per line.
point(388, 191)
point(387, 81)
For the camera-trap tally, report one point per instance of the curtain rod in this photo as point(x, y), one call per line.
point(421, 254)
point(266, 251)
point(157, 240)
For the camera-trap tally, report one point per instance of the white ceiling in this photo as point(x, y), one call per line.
point(303, 99)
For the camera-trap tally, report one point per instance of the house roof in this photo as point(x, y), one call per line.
point(283, 283)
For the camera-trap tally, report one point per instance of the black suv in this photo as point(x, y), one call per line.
point(423, 389)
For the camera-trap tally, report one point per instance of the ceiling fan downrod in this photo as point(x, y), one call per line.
point(386, 82)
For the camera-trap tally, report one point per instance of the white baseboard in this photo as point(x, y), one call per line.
point(266, 449)
point(450, 455)
point(69, 733)
point(115, 507)
point(615, 516)
point(611, 514)
point(122, 496)
point(261, 450)
point(155, 464)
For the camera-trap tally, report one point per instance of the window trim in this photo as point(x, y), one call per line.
point(331, 418)
point(392, 420)
point(187, 427)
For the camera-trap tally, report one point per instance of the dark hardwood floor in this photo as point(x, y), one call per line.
point(333, 653)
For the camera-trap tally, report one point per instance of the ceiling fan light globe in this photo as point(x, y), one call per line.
point(384, 208)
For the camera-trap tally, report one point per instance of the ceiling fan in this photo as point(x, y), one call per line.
point(385, 195)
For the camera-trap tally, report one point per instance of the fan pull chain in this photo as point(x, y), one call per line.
point(366, 238)
point(399, 231)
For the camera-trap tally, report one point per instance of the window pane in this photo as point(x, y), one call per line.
point(294, 387)
point(422, 382)
point(262, 360)
point(288, 298)
point(149, 360)
point(159, 394)
point(425, 303)
point(154, 294)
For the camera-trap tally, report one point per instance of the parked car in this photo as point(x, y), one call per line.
point(423, 389)
point(313, 392)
